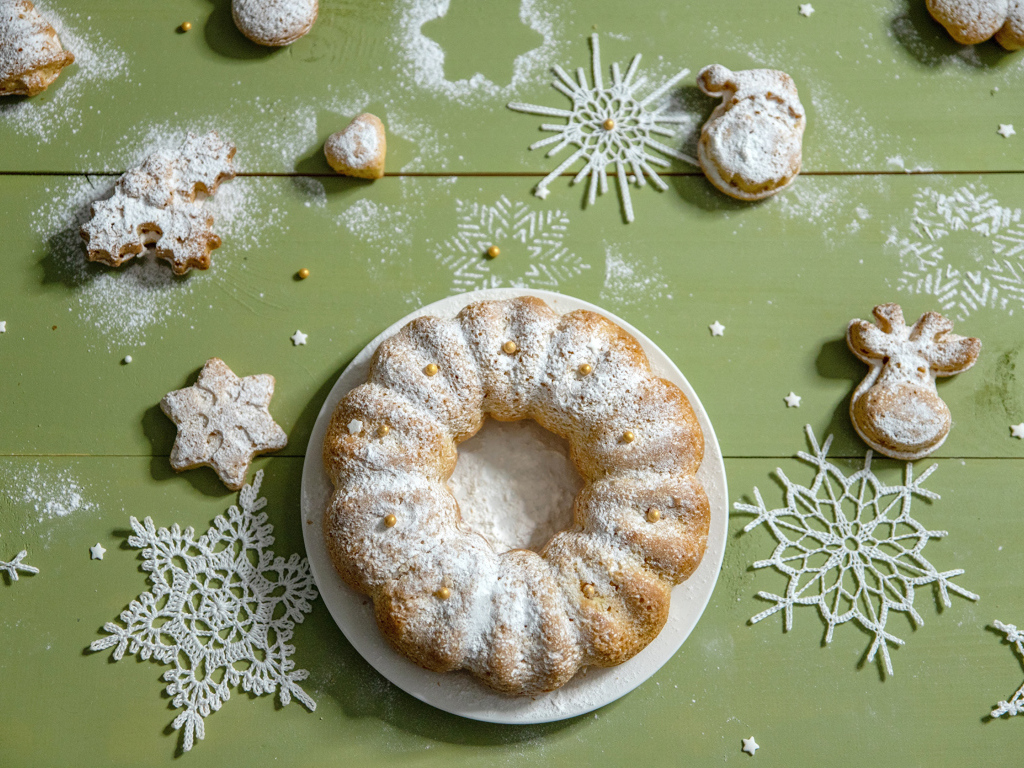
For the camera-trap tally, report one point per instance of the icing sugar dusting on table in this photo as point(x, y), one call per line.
point(515, 484)
point(49, 492)
point(426, 57)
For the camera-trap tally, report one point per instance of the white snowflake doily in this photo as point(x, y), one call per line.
point(548, 261)
point(15, 565)
point(610, 125)
point(221, 612)
point(982, 268)
point(1015, 706)
point(850, 546)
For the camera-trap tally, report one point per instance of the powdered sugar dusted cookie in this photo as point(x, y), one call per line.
point(223, 422)
point(160, 205)
point(974, 21)
point(896, 409)
point(274, 22)
point(31, 56)
point(750, 147)
point(359, 149)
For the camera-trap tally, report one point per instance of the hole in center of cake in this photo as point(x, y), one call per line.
point(515, 484)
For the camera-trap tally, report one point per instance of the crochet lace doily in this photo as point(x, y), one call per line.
point(850, 547)
point(220, 612)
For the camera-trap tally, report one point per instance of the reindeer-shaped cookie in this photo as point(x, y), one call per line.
point(896, 408)
point(750, 147)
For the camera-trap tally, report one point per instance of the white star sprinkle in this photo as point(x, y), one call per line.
point(542, 193)
point(717, 329)
point(1006, 130)
point(1017, 430)
point(3, 326)
point(97, 552)
point(299, 338)
point(806, 9)
point(750, 746)
point(355, 427)
point(792, 400)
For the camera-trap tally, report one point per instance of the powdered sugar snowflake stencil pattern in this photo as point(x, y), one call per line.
point(221, 611)
point(11, 568)
point(1015, 706)
point(850, 546)
point(543, 260)
point(610, 126)
point(964, 248)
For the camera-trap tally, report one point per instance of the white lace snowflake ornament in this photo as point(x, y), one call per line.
point(610, 125)
point(850, 547)
point(11, 568)
point(1015, 706)
point(221, 611)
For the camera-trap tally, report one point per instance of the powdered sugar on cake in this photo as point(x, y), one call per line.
point(515, 485)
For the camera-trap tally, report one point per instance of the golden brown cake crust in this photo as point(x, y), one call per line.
point(31, 55)
point(523, 622)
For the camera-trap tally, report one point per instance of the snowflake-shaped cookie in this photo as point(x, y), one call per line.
point(221, 611)
point(975, 21)
point(160, 205)
point(223, 422)
point(610, 125)
point(850, 547)
point(11, 568)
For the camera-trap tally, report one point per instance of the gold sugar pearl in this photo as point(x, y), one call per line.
point(303, 273)
point(510, 347)
point(382, 430)
point(431, 369)
point(390, 521)
point(589, 591)
point(493, 252)
point(186, 26)
point(608, 124)
point(443, 593)
point(586, 369)
point(653, 515)
point(628, 436)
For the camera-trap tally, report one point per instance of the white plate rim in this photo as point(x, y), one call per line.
point(459, 693)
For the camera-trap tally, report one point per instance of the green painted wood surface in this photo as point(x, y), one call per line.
point(885, 90)
point(879, 80)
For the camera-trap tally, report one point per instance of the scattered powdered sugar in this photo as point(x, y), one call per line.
point(515, 484)
point(387, 228)
point(124, 304)
point(426, 57)
point(838, 206)
point(62, 107)
point(50, 492)
point(630, 282)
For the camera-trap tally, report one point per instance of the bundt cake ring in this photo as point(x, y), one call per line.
point(522, 622)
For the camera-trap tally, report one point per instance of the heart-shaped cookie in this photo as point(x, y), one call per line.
point(359, 149)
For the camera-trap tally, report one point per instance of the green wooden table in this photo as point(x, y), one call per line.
point(901, 145)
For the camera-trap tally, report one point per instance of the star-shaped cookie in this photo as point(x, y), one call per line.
point(223, 422)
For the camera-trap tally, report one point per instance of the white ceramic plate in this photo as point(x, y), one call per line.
point(460, 693)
